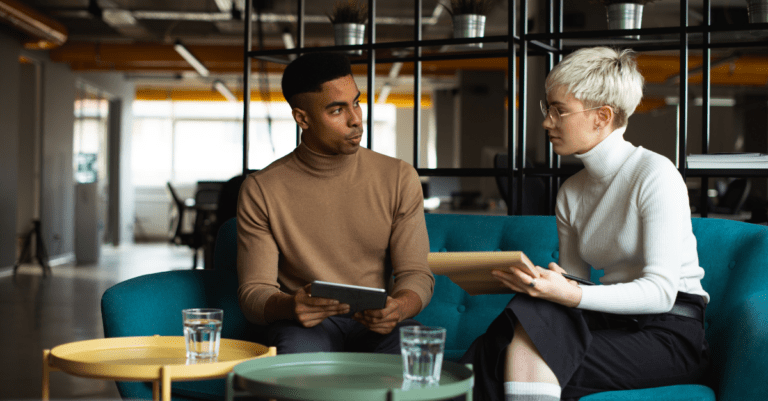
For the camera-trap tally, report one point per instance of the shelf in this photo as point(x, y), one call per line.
point(523, 45)
point(495, 172)
point(734, 173)
point(403, 46)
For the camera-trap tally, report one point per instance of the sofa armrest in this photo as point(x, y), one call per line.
point(745, 357)
point(152, 304)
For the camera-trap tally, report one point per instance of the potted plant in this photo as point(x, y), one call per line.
point(469, 18)
point(625, 14)
point(758, 11)
point(348, 19)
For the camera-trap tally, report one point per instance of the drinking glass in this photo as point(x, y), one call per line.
point(422, 349)
point(202, 332)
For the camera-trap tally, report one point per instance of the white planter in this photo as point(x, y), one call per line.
point(625, 16)
point(349, 34)
point(469, 26)
point(758, 11)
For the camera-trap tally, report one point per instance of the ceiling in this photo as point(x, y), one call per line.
point(137, 37)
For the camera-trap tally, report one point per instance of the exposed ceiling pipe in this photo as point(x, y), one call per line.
point(191, 59)
point(265, 17)
point(224, 90)
point(46, 32)
point(675, 79)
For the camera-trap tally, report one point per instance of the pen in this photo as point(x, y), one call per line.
point(578, 280)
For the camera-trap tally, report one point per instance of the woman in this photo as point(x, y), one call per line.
point(626, 213)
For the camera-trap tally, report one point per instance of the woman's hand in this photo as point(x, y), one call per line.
point(542, 283)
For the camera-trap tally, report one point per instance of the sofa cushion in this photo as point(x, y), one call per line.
point(688, 392)
point(465, 317)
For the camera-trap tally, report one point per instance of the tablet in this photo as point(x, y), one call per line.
point(359, 298)
point(472, 270)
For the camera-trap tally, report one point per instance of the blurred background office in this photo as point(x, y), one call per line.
point(118, 114)
point(121, 124)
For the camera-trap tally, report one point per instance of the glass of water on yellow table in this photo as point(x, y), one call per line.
point(202, 332)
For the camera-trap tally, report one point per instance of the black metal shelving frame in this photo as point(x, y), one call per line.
point(551, 45)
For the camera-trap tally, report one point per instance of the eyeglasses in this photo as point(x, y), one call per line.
point(555, 115)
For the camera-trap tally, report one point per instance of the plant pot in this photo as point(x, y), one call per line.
point(758, 11)
point(625, 16)
point(469, 26)
point(349, 34)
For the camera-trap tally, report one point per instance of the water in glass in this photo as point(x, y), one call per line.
point(422, 354)
point(202, 337)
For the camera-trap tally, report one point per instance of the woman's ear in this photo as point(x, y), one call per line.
point(301, 118)
point(605, 116)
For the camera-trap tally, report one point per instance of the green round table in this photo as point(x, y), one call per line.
point(342, 376)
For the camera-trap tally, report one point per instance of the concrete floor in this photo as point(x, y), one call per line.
point(42, 313)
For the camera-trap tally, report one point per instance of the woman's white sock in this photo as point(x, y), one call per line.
point(531, 391)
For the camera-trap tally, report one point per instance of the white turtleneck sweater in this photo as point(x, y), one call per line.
point(627, 213)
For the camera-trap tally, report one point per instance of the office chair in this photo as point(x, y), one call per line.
point(227, 203)
point(733, 198)
point(534, 189)
point(179, 236)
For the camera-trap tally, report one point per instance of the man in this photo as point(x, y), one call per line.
point(331, 211)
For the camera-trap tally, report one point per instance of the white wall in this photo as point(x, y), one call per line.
point(9, 134)
point(153, 212)
point(57, 213)
point(404, 133)
point(122, 93)
point(56, 125)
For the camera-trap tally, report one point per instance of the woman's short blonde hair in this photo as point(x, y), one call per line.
point(600, 76)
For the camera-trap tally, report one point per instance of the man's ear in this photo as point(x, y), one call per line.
point(301, 118)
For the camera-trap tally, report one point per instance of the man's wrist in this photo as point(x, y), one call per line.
point(280, 306)
point(410, 303)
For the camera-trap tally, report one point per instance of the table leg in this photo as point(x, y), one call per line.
point(230, 389)
point(165, 371)
point(469, 393)
point(156, 390)
point(46, 374)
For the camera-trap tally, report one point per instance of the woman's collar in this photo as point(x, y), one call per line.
point(605, 159)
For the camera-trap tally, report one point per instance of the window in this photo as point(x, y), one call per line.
point(186, 142)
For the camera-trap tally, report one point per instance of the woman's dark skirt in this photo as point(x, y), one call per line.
point(591, 352)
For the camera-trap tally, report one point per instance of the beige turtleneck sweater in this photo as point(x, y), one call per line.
point(626, 213)
point(353, 219)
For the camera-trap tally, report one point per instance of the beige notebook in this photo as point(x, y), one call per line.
point(472, 270)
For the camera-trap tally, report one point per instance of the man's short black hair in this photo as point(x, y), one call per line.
point(309, 72)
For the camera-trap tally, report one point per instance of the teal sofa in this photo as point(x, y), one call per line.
point(733, 254)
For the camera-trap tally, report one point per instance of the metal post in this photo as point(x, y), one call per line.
point(416, 81)
point(512, 107)
point(522, 120)
point(248, 39)
point(371, 69)
point(683, 122)
point(299, 45)
point(705, 106)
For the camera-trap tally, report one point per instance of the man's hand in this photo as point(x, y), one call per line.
point(382, 321)
point(403, 305)
point(311, 311)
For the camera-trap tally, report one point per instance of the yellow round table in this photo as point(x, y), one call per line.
point(157, 359)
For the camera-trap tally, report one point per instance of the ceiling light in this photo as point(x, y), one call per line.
point(384, 93)
point(288, 42)
point(115, 17)
point(713, 102)
point(219, 86)
point(194, 62)
point(224, 5)
point(288, 39)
